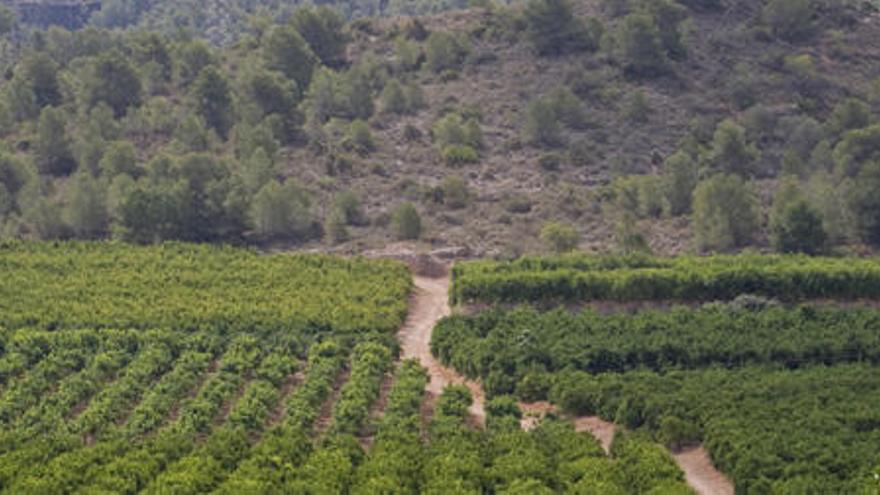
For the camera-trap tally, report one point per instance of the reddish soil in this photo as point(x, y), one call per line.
point(599, 428)
point(701, 474)
point(533, 413)
point(429, 304)
point(226, 409)
point(287, 388)
point(326, 414)
point(78, 409)
point(175, 410)
point(377, 410)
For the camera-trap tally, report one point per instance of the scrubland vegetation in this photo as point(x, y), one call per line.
point(624, 126)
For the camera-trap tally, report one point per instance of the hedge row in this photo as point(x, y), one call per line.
point(583, 278)
point(515, 351)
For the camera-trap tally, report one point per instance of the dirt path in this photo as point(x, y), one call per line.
point(430, 303)
point(599, 428)
point(700, 473)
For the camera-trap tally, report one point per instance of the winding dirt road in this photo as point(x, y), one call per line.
point(700, 473)
point(429, 304)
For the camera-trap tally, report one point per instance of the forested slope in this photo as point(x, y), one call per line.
point(606, 125)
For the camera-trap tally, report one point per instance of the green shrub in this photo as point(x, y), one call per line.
point(407, 222)
point(680, 177)
point(731, 152)
point(542, 124)
point(455, 193)
point(453, 129)
point(445, 51)
point(361, 138)
point(725, 213)
point(393, 98)
point(795, 225)
point(460, 154)
point(559, 237)
point(555, 30)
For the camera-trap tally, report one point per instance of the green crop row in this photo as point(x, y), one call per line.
point(370, 362)
point(583, 279)
point(393, 459)
point(271, 464)
point(178, 400)
point(208, 465)
point(181, 286)
point(519, 350)
point(810, 430)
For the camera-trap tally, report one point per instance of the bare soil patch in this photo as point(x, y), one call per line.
point(599, 428)
point(700, 473)
point(326, 414)
point(429, 304)
point(279, 411)
point(377, 411)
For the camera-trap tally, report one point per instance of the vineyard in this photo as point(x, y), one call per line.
point(785, 398)
point(183, 369)
point(582, 278)
point(192, 369)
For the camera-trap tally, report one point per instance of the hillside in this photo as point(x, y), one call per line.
point(223, 21)
point(496, 124)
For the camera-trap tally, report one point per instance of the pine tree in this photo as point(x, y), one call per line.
point(52, 152)
point(86, 212)
point(212, 99)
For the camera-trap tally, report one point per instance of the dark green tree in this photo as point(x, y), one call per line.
point(680, 176)
point(8, 20)
point(153, 48)
point(865, 203)
point(445, 51)
point(86, 210)
point(212, 99)
point(731, 152)
point(641, 47)
point(114, 81)
point(668, 16)
point(322, 28)
point(192, 57)
point(285, 50)
point(41, 74)
point(725, 213)
point(52, 151)
point(151, 213)
point(282, 211)
point(555, 30)
point(120, 157)
point(791, 20)
point(798, 229)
